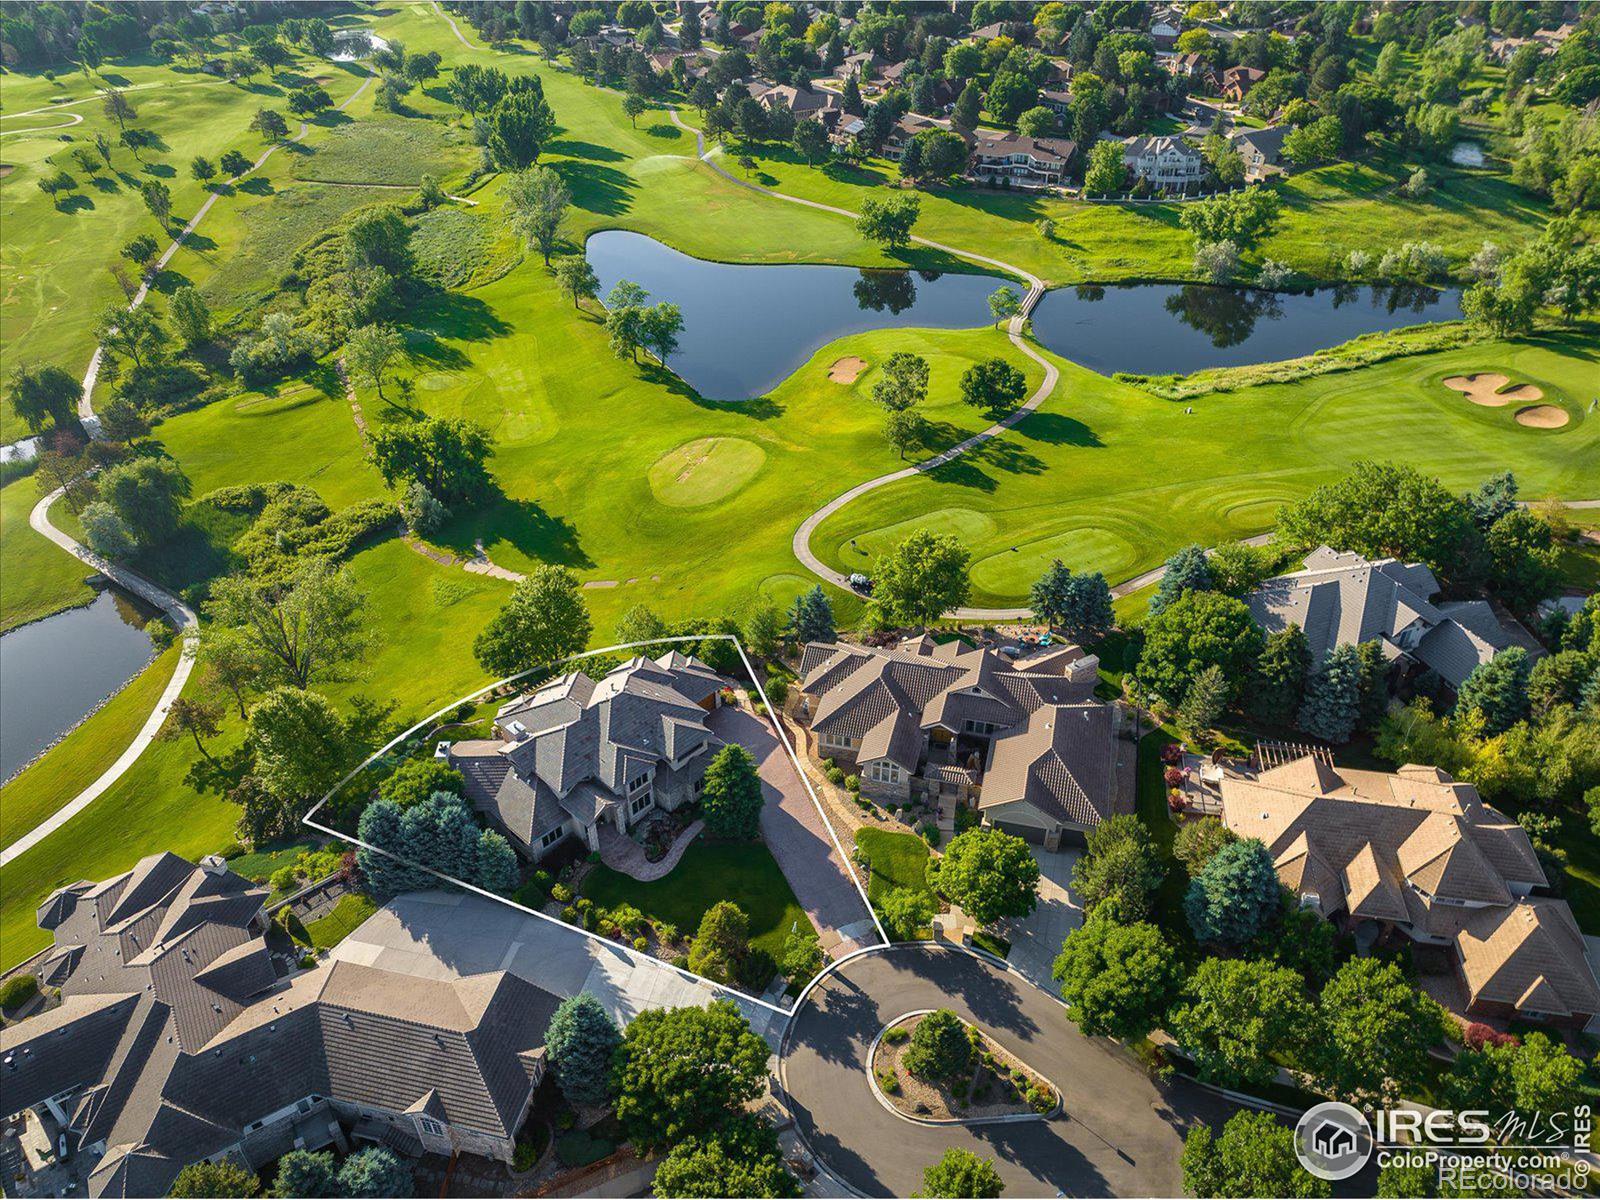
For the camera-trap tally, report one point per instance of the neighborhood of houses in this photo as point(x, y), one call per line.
point(1164, 163)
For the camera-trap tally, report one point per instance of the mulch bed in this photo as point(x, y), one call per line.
point(989, 1091)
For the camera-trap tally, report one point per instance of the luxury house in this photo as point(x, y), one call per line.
point(1057, 99)
point(803, 102)
point(1164, 162)
point(1022, 742)
point(908, 126)
point(1342, 599)
point(1261, 149)
point(1235, 82)
point(1022, 162)
point(1419, 853)
point(182, 1037)
point(578, 755)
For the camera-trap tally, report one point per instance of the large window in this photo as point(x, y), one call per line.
point(639, 805)
point(551, 838)
point(637, 782)
point(983, 728)
point(884, 771)
point(840, 740)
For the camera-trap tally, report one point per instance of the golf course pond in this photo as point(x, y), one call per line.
point(55, 671)
point(748, 328)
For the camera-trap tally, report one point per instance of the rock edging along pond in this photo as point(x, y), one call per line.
point(747, 327)
point(59, 670)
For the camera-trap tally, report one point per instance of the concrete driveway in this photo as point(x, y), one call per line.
point(1120, 1133)
point(1036, 939)
point(795, 832)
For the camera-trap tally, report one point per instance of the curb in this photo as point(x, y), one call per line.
point(1002, 1119)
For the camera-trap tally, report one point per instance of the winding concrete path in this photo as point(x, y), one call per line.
point(801, 543)
point(180, 614)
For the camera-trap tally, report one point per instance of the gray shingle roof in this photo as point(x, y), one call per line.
point(1343, 599)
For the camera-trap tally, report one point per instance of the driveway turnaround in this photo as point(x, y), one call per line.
point(793, 829)
point(1120, 1134)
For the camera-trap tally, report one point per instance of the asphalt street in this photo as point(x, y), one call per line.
point(1120, 1133)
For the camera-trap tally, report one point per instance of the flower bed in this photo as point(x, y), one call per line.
point(997, 1083)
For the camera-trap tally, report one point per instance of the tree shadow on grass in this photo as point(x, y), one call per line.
point(525, 524)
point(590, 151)
point(198, 242)
point(159, 170)
point(1054, 429)
point(456, 316)
point(331, 117)
point(104, 183)
point(256, 185)
point(598, 189)
point(166, 281)
point(75, 204)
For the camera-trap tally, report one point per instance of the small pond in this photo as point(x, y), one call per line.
point(352, 45)
point(54, 671)
point(747, 328)
point(1467, 154)
point(1165, 328)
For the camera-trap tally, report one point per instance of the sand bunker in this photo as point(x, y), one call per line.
point(847, 369)
point(1486, 387)
point(1542, 416)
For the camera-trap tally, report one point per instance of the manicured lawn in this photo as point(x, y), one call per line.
point(898, 860)
point(352, 909)
point(37, 577)
point(1108, 478)
point(83, 754)
point(259, 864)
point(743, 872)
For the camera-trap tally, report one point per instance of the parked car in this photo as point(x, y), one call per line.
point(861, 583)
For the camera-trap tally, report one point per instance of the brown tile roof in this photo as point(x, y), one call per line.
point(1528, 955)
point(1061, 763)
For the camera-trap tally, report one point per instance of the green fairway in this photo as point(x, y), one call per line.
point(37, 578)
point(80, 757)
point(1109, 478)
point(743, 872)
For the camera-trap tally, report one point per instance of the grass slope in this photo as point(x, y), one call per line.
point(37, 577)
point(85, 753)
point(1108, 478)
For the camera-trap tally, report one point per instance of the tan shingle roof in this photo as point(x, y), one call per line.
point(1529, 955)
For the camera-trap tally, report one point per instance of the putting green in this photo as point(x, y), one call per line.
point(705, 471)
point(966, 525)
point(1089, 549)
point(782, 589)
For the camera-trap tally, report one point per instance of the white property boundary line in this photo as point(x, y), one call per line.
point(509, 903)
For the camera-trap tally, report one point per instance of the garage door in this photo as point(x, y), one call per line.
point(1028, 833)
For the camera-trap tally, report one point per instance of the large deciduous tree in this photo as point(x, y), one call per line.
point(40, 394)
point(301, 746)
point(447, 455)
point(538, 201)
point(888, 220)
point(993, 385)
point(301, 629)
point(991, 874)
point(1199, 630)
point(520, 126)
point(370, 351)
point(922, 578)
point(1375, 1032)
point(961, 1173)
point(1119, 871)
point(1117, 980)
point(741, 1158)
point(1254, 1157)
point(682, 1072)
point(147, 494)
point(1236, 1015)
point(544, 621)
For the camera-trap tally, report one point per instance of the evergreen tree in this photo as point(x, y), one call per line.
point(1279, 686)
point(581, 1042)
point(968, 105)
point(377, 1172)
point(497, 869)
point(1333, 696)
point(1498, 690)
point(812, 617)
point(852, 97)
point(1186, 571)
point(303, 1175)
point(1206, 700)
point(1235, 896)
point(731, 798)
point(1374, 685)
point(1080, 604)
